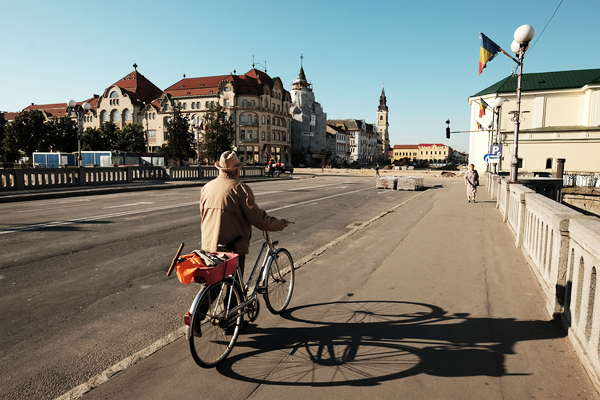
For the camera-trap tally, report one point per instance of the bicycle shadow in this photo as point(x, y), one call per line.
point(363, 343)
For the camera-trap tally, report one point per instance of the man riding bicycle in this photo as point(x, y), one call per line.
point(228, 210)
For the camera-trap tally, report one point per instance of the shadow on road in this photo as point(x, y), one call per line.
point(364, 343)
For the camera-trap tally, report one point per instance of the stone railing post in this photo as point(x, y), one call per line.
point(19, 179)
point(520, 228)
point(506, 202)
point(129, 172)
point(81, 176)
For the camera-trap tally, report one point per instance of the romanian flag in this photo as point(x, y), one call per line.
point(488, 51)
point(479, 126)
point(482, 106)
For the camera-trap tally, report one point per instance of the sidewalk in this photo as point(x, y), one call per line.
point(431, 301)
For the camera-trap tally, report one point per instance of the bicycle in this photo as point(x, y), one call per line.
point(215, 317)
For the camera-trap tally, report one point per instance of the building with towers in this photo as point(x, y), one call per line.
point(309, 124)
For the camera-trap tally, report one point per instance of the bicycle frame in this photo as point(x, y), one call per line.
point(267, 253)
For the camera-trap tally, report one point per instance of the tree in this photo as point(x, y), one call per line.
point(180, 139)
point(62, 134)
point(99, 139)
point(132, 137)
point(2, 125)
point(219, 132)
point(24, 135)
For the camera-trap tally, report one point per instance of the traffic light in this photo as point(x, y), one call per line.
point(448, 129)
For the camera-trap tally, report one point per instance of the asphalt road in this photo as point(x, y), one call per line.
point(83, 280)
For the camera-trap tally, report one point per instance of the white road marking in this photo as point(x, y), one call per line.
point(151, 209)
point(129, 205)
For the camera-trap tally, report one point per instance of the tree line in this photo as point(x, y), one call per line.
point(29, 132)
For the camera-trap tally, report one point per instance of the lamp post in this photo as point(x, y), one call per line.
point(79, 112)
point(523, 35)
point(498, 102)
point(196, 127)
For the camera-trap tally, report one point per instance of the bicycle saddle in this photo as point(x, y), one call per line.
point(229, 246)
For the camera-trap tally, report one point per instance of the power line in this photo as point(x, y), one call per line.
point(538, 38)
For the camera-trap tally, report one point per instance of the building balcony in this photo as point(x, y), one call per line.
point(248, 124)
point(249, 140)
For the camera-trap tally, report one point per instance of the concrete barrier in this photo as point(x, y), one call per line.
point(562, 246)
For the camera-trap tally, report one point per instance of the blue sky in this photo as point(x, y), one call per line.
point(426, 52)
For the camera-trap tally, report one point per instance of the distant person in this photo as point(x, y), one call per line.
point(271, 167)
point(278, 167)
point(471, 182)
point(377, 171)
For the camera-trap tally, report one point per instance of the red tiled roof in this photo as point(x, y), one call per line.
point(9, 116)
point(138, 87)
point(250, 83)
point(406, 146)
point(52, 110)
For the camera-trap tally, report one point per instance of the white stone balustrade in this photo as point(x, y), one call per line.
point(562, 246)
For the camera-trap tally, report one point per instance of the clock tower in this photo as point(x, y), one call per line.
point(382, 125)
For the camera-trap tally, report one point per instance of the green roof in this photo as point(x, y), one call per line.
point(545, 81)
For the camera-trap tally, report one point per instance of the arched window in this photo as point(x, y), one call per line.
point(264, 119)
point(193, 105)
point(268, 120)
point(381, 117)
point(548, 163)
point(115, 116)
point(243, 119)
point(127, 115)
point(104, 116)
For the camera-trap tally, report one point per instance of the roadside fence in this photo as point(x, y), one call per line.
point(42, 178)
point(562, 247)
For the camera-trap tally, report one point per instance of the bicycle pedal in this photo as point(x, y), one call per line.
point(261, 289)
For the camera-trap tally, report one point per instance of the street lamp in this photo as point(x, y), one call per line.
point(197, 127)
point(498, 102)
point(80, 111)
point(523, 35)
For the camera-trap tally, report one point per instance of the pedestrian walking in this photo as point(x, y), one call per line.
point(271, 167)
point(377, 171)
point(471, 182)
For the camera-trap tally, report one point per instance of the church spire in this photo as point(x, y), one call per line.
point(382, 101)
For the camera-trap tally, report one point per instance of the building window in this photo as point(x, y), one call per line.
point(263, 119)
point(252, 103)
point(263, 135)
point(193, 105)
point(116, 116)
point(268, 120)
point(207, 104)
point(242, 134)
point(127, 115)
point(104, 116)
point(185, 106)
point(245, 103)
point(226, 102)
point(152, 133)
point(277, 107)
point(243, 119)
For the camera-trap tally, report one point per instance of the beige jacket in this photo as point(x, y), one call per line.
point(228, 210)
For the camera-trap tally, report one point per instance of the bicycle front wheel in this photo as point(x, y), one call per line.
point(213, 335)
point(280, 282)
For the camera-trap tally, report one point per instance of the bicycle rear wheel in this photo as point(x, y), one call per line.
point(280, 282)
point(213, 336)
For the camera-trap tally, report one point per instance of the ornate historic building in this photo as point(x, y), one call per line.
point(259, 105)
point(309, 124)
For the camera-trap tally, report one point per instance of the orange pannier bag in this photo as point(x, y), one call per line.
point(192, 268)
